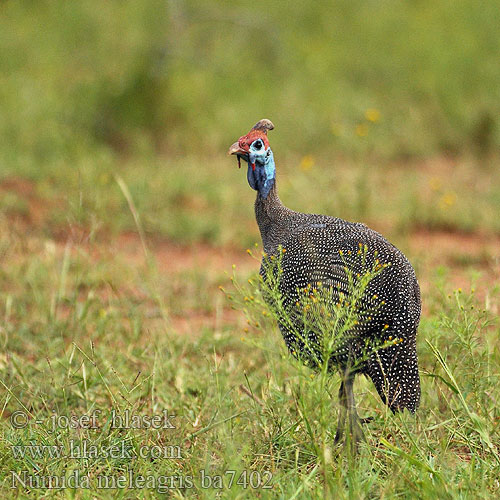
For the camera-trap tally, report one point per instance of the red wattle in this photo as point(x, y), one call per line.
point(253, 167)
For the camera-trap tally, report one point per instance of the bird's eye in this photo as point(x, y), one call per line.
point(257, 145)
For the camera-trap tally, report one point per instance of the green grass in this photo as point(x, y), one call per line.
point(81, 334)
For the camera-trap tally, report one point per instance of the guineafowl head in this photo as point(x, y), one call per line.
point(255, 150)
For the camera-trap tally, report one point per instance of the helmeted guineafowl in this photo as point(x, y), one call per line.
point(325, 250)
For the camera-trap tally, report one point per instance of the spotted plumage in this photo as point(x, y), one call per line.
point(318, 249)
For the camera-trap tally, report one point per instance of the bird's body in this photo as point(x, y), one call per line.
point(323, 250)
point(318, 248)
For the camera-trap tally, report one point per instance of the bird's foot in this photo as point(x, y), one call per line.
point(353, 437)
point(339, 435)
point(356, 434)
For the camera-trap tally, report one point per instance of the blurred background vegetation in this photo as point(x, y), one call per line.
point(156, 90)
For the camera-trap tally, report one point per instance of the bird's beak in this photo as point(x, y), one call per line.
point(239, 152)
point(235, 150)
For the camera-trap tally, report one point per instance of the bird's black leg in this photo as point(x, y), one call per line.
point(356, 434)
point(342, 414)
point(348, 410)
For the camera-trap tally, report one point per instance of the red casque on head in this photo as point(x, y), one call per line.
point(245, 140)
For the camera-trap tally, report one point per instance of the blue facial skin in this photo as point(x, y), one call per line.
point(262, 178)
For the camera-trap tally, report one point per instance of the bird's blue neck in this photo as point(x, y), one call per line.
point(261, 178)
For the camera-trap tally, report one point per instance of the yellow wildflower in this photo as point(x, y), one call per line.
point(447, 200)
point(307, 163)
point(372, 115)
point(361, 130)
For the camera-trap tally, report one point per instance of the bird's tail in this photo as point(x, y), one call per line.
point(394, 371)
